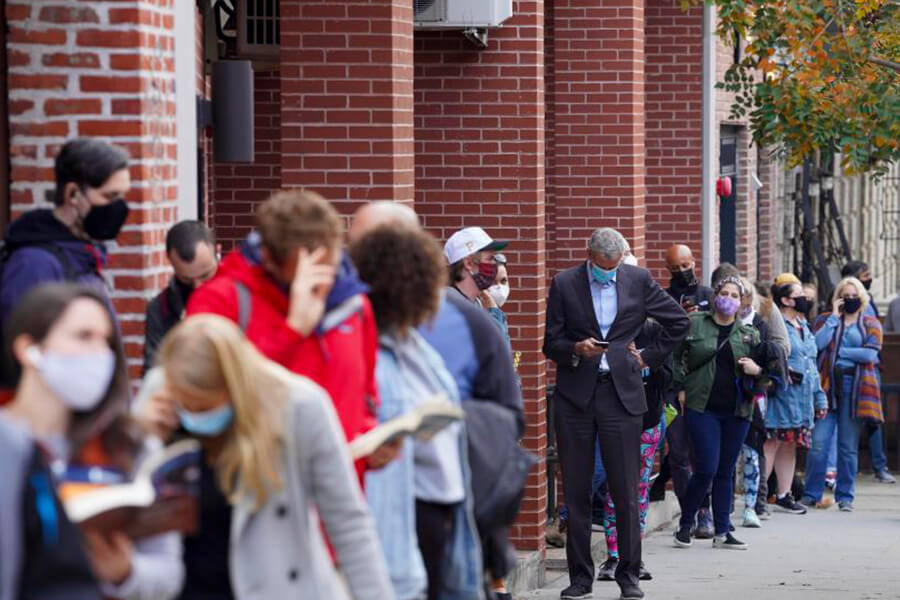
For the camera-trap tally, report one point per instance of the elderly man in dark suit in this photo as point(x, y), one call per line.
point(595, 311)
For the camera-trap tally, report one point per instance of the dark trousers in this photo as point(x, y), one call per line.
point(434, 527)
point(677, 462)
point(619, 434)
point(717, 440)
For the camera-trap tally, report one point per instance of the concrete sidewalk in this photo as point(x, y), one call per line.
point(825, 555)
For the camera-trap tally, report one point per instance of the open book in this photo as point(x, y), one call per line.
point(422, 422)
point(163, 496)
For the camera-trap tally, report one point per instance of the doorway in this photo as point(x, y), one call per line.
point(728, 167)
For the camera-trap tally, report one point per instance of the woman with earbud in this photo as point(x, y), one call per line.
point(71, 392)
point(849, 342)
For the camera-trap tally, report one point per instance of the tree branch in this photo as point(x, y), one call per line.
point(885, 63)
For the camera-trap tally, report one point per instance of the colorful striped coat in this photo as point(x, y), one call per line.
point(866, 383)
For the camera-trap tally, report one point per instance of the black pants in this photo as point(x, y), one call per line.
point(434, 527)
point(619, 434)
point(677, 462)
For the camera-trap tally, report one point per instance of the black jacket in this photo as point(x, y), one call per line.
point(700, 295)
point(657, 385)
point(571, 318)
point(163, 313)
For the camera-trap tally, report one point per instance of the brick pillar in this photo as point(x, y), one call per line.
point(674, 98)
point(102, 68)
point(346, 99)
point(599, 111)
point(480, 161)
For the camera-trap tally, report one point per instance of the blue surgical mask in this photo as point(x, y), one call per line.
point(208, 423)
point(602, 276)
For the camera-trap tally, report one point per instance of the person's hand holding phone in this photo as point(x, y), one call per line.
point(590, 347)
point(838, 307)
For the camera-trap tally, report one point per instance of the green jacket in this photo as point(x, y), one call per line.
point(695, 362)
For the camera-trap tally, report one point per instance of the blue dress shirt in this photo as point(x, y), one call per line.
point(606, 305)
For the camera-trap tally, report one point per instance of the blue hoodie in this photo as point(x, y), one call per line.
point(31, 260)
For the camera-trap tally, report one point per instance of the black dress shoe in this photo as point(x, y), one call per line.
point(576, 591)
point(631, 591)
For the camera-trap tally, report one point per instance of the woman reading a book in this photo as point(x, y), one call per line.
point(275, 445)
point(71, 393)
point(422, 501)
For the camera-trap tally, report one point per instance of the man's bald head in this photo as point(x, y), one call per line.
point(375, 214)
point(679, 258)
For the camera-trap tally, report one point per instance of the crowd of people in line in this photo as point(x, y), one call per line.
point(736, 378)
point(306, 336)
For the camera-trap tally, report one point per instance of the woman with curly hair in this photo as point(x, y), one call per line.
point(421, 501)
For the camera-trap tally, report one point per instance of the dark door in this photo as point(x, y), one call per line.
point(728, 162)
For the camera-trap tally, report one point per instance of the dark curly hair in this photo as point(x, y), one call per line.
point(405, 269)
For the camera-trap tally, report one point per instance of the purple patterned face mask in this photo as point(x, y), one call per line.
point(726, 305)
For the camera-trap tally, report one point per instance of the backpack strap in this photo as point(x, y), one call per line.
point(245, 305)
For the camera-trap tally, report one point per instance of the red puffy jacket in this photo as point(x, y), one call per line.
point(339, 355)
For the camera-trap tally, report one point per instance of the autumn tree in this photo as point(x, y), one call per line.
point(818, 76)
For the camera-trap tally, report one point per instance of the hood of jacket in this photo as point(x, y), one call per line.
point(40, 227)
point(347, 284)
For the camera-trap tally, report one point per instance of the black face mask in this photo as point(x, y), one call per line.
point(852, 305)
point(867, 283)
point(105, 222)
point(801, 304)
point(683, 279)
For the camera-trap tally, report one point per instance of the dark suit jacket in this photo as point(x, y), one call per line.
point(571, 318)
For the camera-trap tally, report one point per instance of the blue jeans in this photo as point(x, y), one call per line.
point(876, 447)
point(848, 430)
point(717, 440)
point(597, 494)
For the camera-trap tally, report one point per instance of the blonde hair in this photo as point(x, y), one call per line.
point(750, 290)
point(860, 289)
point(209, 354)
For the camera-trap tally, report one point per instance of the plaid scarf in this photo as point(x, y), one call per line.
point(866, 384)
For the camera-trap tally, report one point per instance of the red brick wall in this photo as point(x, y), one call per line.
point(99, 68)
point(479, 127)
point(240, 188)
point(346, 93)
point(598, 96)
point(674, 131)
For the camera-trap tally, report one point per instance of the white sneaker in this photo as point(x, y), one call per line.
point(751, 519)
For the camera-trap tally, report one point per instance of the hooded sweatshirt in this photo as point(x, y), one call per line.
point(38, 248)
point(339, 355)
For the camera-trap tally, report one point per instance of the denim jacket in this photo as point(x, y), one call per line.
point(391, 491)
point(790, 405)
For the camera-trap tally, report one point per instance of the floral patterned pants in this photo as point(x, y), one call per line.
point(650, 440)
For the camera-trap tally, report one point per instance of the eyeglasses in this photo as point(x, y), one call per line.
point(500, 259)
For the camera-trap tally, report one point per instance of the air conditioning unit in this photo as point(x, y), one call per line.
point(461, 14)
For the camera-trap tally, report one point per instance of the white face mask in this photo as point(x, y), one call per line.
point(500, 293)
point(79, 380)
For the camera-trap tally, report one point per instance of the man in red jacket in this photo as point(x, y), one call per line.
point(299, 301)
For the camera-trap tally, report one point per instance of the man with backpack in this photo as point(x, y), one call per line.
point(298, 299)
point(65, 243)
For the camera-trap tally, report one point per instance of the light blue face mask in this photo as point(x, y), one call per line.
point(208, 423)
point(602, 276)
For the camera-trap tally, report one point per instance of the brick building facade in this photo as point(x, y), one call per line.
point(576, 115)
